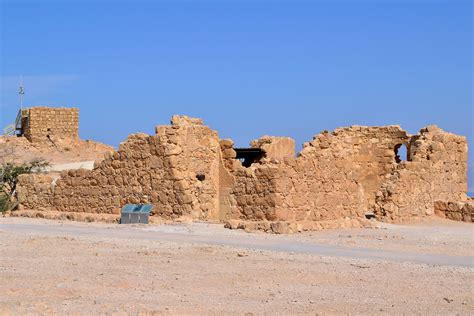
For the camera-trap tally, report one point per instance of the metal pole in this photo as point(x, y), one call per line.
point(21, 92)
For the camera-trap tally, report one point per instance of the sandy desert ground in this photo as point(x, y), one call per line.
point(54, 267)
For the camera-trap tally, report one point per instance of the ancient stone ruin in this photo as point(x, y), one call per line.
point(42, 123)
point(338, 179)
point(50, 134)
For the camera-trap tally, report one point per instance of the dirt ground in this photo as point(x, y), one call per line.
point(54, 267)
point(57, 152)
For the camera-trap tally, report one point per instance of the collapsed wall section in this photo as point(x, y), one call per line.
point(251, 194)
point(337, 173)
point(436, 170)
point(334, 176)
point(352, 172)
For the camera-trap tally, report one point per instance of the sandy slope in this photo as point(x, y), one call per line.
point(57, 151)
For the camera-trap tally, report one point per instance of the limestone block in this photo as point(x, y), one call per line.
point(277, 148)
point(185, 120)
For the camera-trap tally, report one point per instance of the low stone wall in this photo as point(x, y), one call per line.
point(36, 190)
point(457, 211)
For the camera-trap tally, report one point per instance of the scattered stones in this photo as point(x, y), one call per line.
point(448, 299)
point(360, 266)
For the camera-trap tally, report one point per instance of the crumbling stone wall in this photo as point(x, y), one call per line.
point(334, 176)
point(457, 211)
point(176, 170)
point(436, 170)
point(341, 171)
point(275, 148)
point(185, 170)
point(227, 160)
point(253, 191)
point(42, 123)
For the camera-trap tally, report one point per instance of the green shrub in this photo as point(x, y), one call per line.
point(4, 202)
point(9, 173)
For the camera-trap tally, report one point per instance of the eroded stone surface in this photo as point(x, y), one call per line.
point(163, 169)
point(436, 170)
point(275, 148)
point(185, 170)
point(458, 211)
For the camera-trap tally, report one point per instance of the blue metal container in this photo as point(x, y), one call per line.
point(135, 213)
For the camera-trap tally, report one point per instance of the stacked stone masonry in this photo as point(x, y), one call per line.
point(162, 169)
point(458, 211)
point(43, 123)
point(185, 170)
point(436, 170)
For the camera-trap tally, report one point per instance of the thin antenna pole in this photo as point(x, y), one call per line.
point(21, 92)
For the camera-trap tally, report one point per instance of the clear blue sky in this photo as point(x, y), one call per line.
point(248, 68)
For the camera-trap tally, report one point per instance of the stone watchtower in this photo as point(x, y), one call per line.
point(41, 123)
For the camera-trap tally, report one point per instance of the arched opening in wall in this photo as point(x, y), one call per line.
point(401, 153)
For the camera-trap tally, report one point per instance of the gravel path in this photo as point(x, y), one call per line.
point(214, 235)
point(52, 267)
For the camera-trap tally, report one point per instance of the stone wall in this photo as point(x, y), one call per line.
point(254, 192)
point(334, 176)
point(227, 162)
point(176, 170)
point(36, 190)
point(436, 170)
point(457, 211)
point(275, 148)
point(42, 123)
point(339, 172)
point(184, 170)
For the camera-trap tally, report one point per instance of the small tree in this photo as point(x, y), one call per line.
point(9, 173)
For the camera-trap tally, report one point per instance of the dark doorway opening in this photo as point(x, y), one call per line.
point(248, 156)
